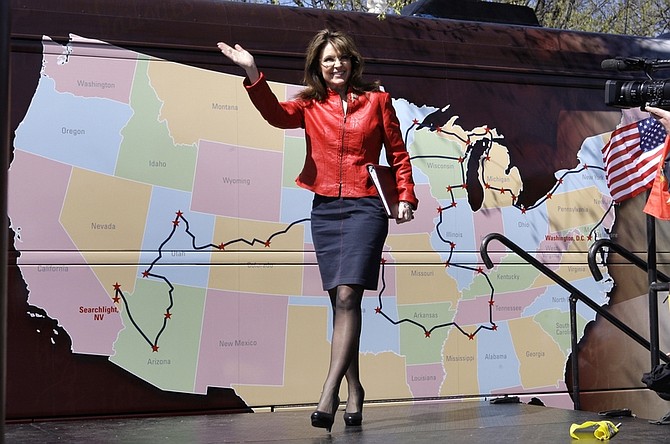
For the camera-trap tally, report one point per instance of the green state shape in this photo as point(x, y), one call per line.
point(173, 367)
point(148, 153)
point(437, 158)
point(502, 278)
point(414, 345)
point(294, 158)
point(557, 324)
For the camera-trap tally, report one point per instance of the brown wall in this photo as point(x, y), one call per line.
point(506, 76)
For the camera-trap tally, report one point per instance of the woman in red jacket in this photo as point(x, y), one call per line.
point(346, 122)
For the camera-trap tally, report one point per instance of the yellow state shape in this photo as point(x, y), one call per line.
point(260, 257)
point(459, 358)
point(307, 359)
point(502, 183)
point(105, 216)
point(205, 105)
point(573, 209)
point(541, 360)
point(420, 284)
point(569, 269)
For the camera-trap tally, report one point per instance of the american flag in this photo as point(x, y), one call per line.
point(631, 157)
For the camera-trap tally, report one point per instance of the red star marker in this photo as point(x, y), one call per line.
point(168, 315)
point(480, 270)
point(468, 142)
point(523, 210)
point(487, 129)
point(487, 186)
point(145, 273)
point(222, 246)
point(426, 334)
point(175, 222)
point(491, 302)
point(439, 210)
point(438, 129)
point(117, 286)
point(589, 237)
point(471, 336)
point(446, 264)
point(560, 181)
point(465, 185)
point(454, 203)
point(495, 327)
point(448, 187)
point(267, 243)
point(415, 122)
point(116, 299)
point(549, 195)
point(487, 158)
point(383, 260)
point(452, 244)
point(502, 191)
point(154, 348)
point(179, 213)
point(586, 167)
point(460, 159)
point(378, 310)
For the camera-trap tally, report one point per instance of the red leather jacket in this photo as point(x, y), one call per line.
point(339, 144)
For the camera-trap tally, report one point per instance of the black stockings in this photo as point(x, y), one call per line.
point(346, 302)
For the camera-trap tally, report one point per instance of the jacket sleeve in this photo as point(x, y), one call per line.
point(396, 152)
point(282, 115)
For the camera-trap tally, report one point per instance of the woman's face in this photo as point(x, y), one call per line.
point(335, 68)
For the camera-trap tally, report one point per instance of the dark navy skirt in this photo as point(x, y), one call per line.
point(348, 235)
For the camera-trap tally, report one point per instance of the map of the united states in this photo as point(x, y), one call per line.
point(158, 221)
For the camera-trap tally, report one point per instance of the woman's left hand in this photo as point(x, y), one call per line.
point(405, 212)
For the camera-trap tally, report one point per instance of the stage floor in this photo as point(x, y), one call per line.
point(425, 422)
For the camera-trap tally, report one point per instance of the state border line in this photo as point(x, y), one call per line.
point(379, 310)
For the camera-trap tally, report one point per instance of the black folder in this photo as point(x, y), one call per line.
point(384, 180)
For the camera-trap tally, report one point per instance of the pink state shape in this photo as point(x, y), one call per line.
point(36, 211)
point(91, 70)
point(551, 251)
point(258, 323)
point(425, 380)
point(424, 217)
point(237, 182)
point(476, 311)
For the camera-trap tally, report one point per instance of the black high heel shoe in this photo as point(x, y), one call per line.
point(356, 418)
point(325, 420)
point(353, 419)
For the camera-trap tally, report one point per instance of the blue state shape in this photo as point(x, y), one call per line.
point(497, 374)
point(296, 204)
point(554, 298)
point(527, 229)
point(179, 257)
point(379, 334)
point(79, 131)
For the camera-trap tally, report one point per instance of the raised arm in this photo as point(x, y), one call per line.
point(242, 58)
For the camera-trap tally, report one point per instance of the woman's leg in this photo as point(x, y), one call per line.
point(355, 392)
point(346, 301)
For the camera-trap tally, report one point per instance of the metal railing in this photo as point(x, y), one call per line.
point(576, 295)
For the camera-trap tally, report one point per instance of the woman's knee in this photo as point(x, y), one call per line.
point(348, 297)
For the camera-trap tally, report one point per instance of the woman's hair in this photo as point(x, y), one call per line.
point(315, 85)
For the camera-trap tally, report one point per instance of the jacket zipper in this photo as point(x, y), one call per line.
point(341, 154)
